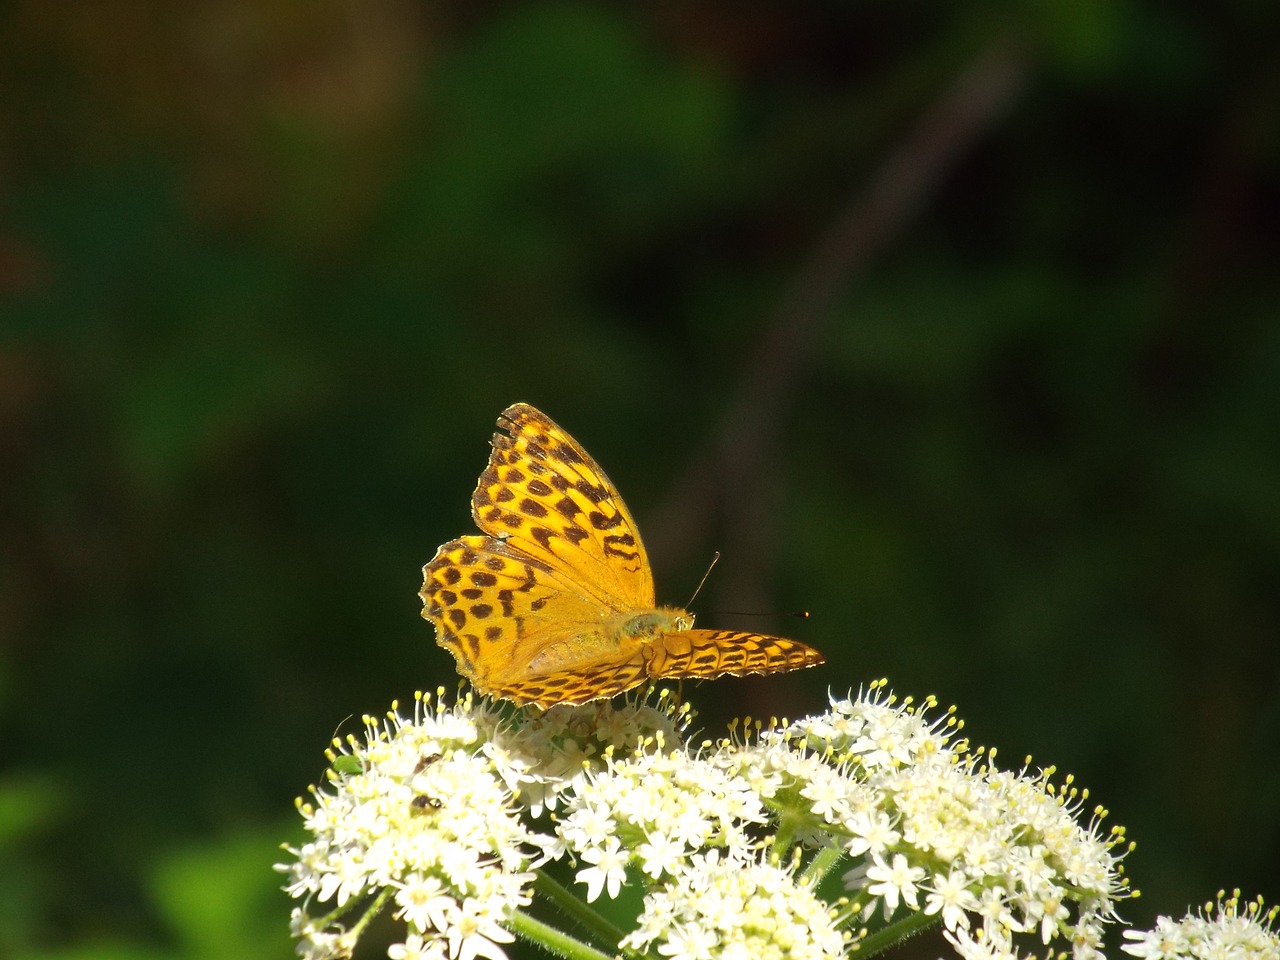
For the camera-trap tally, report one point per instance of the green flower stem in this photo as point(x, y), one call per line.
point(893, 934)
point(601, 930)
point(371, 911)
point(788, 823)
point(821, 865)
point(551, 939)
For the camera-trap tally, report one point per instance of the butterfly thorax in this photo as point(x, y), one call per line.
point(653, 623)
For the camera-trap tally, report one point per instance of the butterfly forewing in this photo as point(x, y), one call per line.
point(544, 495)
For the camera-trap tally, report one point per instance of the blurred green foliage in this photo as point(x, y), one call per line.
point(268, 272)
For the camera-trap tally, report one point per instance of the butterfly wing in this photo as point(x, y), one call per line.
point(525, 609)
point(519, 630)
point(574, 680)
point(545, 496)
point(718, 653)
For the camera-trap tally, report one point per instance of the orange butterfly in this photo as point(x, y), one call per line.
point(555, 603)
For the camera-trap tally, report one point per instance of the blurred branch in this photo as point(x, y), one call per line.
point(743, 450)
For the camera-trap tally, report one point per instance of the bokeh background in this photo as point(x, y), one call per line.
point(955, 325)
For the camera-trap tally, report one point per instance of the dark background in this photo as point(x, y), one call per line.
point(955, 325)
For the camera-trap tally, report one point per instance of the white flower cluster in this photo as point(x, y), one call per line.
point(448, 816)
point(934, 829)
point(724, 910)
point(417, 813)
point(1227, 929)
point(659, 809)
point(546, 755)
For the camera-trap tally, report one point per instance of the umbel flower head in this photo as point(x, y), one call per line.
point(417, 816)
point(458, 818)
point(1227, 929)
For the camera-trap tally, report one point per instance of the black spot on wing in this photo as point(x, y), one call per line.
point(603, 521)
point(532, 508)
point(595, 492)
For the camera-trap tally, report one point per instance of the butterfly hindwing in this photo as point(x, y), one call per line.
point(718, 653)
point(499, 611)
point(692, 654)
point(598, 681)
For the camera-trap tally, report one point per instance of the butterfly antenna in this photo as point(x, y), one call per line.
point(715, 558)
point(799, 614)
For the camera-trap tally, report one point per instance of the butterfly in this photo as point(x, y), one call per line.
point(554, 601)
